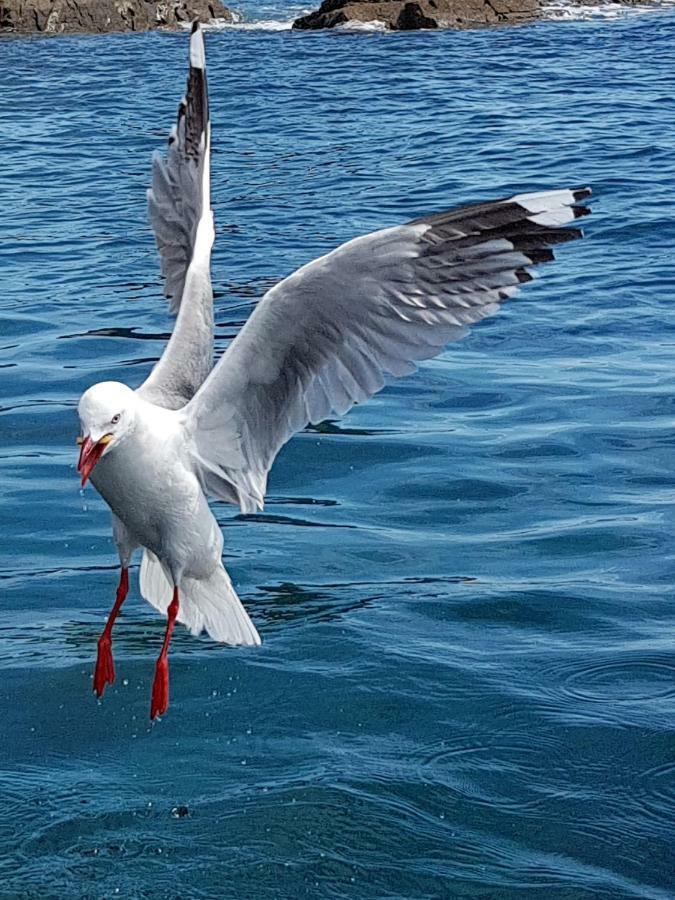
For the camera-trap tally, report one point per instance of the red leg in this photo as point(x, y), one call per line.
point(160, 686)
point(105, 667)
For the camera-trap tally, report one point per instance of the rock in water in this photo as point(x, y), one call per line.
point(180, 812)
point(403, 15)
point(92, 16)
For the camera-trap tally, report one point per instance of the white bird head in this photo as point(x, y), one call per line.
point(107, 415)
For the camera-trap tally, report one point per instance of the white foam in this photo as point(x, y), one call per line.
point(263, 25)
point(564, 10)
point(372, 25)
point(239, 25)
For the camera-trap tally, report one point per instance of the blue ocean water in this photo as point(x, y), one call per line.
point(465, 588)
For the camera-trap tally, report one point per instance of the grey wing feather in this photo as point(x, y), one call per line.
point(180, 213)
point(326, 337)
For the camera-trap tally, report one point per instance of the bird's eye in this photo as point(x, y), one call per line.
point(115, 419)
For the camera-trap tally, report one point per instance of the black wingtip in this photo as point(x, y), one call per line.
point(580, 211)
point(581, 193)
point(535, 236)
point(540, 255)
point(195, 26)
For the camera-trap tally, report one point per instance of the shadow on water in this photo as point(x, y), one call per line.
point(242, 518)
point(66, 640)
point(127, 333)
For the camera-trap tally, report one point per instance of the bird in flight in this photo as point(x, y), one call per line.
point(318, 342)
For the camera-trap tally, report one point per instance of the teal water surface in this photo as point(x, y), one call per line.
point(464, 588)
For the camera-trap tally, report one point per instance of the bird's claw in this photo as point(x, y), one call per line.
point(160, 688)
point(104, 673)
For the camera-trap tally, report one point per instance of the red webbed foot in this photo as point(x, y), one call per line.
point(160, 688)
point(105, 667)
point(104, 673)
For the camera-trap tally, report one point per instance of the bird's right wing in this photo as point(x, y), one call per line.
point(180, 213)
point(324, 338)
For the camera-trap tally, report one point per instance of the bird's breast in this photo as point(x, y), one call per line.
point(153, 493)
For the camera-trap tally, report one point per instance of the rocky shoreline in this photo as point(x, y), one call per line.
point(405, 15)
point(100, 16)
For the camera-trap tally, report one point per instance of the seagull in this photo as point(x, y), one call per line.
point(319, 341)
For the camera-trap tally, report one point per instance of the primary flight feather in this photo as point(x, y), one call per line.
point(319, 341)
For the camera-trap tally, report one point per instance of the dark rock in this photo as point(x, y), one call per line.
point(180, 812)
point(412, 16)
point(54, 16)
point(402, 15)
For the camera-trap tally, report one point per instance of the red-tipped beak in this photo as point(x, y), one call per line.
point(90, 453)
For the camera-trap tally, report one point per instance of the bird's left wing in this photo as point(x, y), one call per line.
point(180, 213)
point(324, 338)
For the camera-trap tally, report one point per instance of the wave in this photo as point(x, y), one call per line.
point(372, 25)
point(570, 11)
point(238, 24)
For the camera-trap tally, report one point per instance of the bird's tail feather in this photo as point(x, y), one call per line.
point(209, 604)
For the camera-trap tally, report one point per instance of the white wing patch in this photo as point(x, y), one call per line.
point(180, 212)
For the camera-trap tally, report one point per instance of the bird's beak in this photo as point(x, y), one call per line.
point(90, 453)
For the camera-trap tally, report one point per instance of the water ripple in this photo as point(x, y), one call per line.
point(466, 686)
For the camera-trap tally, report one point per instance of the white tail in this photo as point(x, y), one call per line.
point(209, 604)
